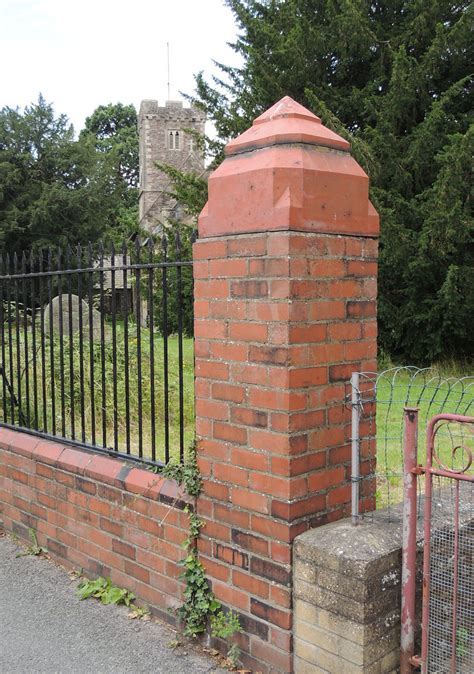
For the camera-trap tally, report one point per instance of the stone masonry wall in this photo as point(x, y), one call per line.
point(153, 123)
point(347, 590)
point(347, 599)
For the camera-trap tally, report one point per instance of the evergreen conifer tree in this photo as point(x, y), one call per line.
point(395, 78)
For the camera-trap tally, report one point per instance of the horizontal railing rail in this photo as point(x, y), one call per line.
point(96, 347)
point(115, 267)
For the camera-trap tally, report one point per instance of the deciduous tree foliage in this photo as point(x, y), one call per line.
point(114, 132)
point(394, 77)
point(55, 189)
point(113, 129)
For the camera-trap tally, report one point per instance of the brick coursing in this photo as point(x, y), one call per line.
point(276, 341)
point(98, 514)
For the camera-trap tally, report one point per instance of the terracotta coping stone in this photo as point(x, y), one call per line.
point(73, 461)
point(108, 470)
point(9, 438)
point(286, 122)
point(288, 172)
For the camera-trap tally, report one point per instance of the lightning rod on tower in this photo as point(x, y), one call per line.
point(168, 59)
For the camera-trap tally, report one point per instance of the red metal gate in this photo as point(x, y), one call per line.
point(447, 614)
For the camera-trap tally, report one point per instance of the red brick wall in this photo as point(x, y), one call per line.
point(282, 318)
point(281, 321)
point(96, 513)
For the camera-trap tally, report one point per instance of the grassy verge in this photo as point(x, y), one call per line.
point(432, 391)
point(80, 399)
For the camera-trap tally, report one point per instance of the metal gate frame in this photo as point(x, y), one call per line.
point(408, 659)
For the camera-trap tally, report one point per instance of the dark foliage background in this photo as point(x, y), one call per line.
point(56, 189)
point(395, 78)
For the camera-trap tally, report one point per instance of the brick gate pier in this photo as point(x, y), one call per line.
point(285, 309)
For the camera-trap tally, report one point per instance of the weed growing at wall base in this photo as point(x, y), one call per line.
point(34, 548)
point(104, 590)
point(200, 607)
point(223, 626)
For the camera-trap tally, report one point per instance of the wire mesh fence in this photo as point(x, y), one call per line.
point(451, 593)
point(378, 401)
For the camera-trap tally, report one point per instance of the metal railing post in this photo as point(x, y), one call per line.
point(355, 454)
point(77, 364)
point(410, 457)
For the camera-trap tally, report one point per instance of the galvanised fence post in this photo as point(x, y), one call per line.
point(355, 446)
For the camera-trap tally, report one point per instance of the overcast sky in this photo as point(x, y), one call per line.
point(86, 53)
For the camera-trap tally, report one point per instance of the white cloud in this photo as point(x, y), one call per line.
point(84, 54)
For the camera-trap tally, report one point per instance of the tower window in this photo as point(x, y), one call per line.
point(173, 139)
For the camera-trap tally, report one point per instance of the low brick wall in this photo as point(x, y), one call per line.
point(100, 514)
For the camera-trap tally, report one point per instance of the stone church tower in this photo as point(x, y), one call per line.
point(162, 139)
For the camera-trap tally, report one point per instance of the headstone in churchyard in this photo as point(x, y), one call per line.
point(68, 305)
point(119, 274)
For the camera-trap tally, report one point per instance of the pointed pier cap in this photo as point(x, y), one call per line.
point(286, 122)
point(288, 172)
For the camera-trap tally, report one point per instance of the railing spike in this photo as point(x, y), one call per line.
point(178, 243)
point(151, 249)
point(83, 365)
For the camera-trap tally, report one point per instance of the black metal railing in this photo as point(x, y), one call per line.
point(96, 348)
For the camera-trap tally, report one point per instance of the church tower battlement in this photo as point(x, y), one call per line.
point(163, 139)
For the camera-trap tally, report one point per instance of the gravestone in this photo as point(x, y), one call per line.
point(69, 307)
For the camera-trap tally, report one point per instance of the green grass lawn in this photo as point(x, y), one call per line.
point(144, 359)
point(432, 391)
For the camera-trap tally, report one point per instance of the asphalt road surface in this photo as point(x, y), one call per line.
point(44, 627)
